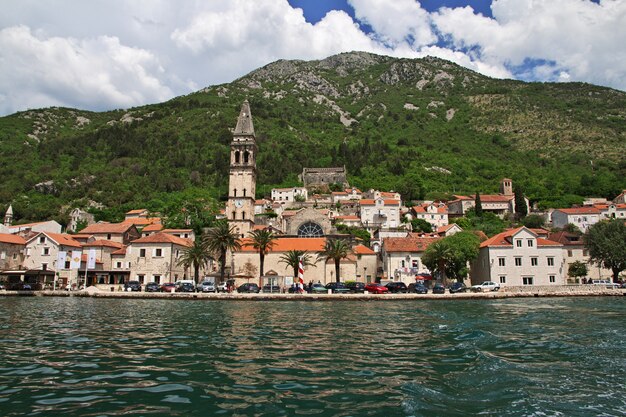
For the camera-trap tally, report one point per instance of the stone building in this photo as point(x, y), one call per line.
point(323, 177)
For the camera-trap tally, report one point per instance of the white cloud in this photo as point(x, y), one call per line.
point(579, 37)
point(115, 53)
point(97, 72)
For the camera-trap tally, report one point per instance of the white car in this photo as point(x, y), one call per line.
point(222, 287)
point(604, 282)
point(206, 286)
point(485, 286)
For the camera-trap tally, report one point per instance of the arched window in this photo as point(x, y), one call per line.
point(246, 157)
point(243, 215)
point(310, 229)
point(235, 193)
point(234, 215)
point(244, 192)
point(237, 157)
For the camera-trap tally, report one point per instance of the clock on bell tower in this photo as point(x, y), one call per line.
point(242, 177)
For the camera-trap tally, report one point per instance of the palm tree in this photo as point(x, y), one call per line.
point(292, 259)
point(335, 249)
point(263, 241)
point(219, 240)
point(437, 257)
point(196, 256)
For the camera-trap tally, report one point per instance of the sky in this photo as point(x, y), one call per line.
point(109, 54)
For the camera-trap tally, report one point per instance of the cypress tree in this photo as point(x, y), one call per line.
point(521, 209)
point(478, 206)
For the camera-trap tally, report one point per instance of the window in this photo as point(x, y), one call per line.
point(501, 262)
point(518, 261)
point(234, 215)
point(569, 253)
point(140, 278)
point(157, 279)
point(44, 267)
point(533, 261)
point(108, 236)
point(550, 261)
point(503, 279)
point(527, 280)
point(45, 251)
point(415, 264)
point(158, 252)
point(244, 192)
point(518, 243)
point(552, 279)
point(402, 264)
point(531, 243)
point(235, 192)
point(42, 239)
point(118, 264)
point(142, 253)
point(14, 256)
point(243, 215)
point(67, 264)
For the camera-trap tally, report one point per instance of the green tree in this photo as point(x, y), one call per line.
point(195, 256)
point(606, 242)
point(534, 221)
point(521, 209)
point(421, 225)
point(219, 240)
point(335, 249)
point(577, 269)
point(263, 241)
point(357, 232)
point(292, 258)
point(449, 256)
point(478, 206)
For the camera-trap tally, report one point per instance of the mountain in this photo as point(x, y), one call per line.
point(425, 127)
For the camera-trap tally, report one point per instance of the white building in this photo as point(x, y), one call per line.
point(581, 217)
point(155, 258)
point(289, 195)
point(519, 257)
point(435, 213)
point(380, 213)
point(402, 257)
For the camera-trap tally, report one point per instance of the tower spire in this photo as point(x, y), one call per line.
point(8, 217)
point(244, 122)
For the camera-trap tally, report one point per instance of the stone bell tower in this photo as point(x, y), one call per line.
point(8, 217)
point(242, 178)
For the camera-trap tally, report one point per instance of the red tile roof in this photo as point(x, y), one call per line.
point(579, 210)
point(408, 244)
point(313, 244)
point(137, 211)
point(369, 202)
point(347, 217)
point(155, 227)
point(504, 239)
point(121, 251)
point(12, 239)
point(113, 228)
point(363, 250)
point(61, 239)
point(102, 243)
point(142, 221)
point(163, 238)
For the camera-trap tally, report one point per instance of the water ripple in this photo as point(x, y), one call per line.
point(518, 357)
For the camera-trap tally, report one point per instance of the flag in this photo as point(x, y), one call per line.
point(91, 259)
point(61, 257)
point(75, 261)
point(300, 272)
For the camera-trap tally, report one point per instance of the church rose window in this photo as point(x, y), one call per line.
point(310, 229)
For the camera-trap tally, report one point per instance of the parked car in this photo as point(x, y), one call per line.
point(356, 287)
point(132, 286)
point(457, 287)
point(424, 276)
point(318, 289)
point(186, 287)
point(375, 288)
point(397, 287)
point(294, 289)
point(271, 288)
point(206, 286)
point(605, 282)
point(249, 287)
point(438, 288)
point(418, 288)
point(222, 287)
point(2, 287)
point(168, 287)
point(485, 286)
point(337, 288)
point(152, 287)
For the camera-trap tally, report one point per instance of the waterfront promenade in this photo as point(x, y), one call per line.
point(507, 292)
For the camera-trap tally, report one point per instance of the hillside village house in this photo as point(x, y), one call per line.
point(11, 252)
point(349, 194)
point(574, 250)
point(581, 217)
point(499, 204)
point(155, 258)
point(117, 232)
point(359, 266)
point(380, 213)
point(78, 216)
point(289, 195)
point(42, 254)
point(435, 213)
point(519, 257)
point(402, 257)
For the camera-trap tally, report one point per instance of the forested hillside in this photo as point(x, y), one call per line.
point(424, 127)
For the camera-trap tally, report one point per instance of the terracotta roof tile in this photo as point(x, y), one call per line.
point(61, 239)
point(163, 238)
point(579, 210)
point(12, 239)
point(114, 228)
point(408, 244)
point(155, 227)
point(363, 250)
point(102, 242)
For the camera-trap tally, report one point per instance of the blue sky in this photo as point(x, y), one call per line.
point(106, 54)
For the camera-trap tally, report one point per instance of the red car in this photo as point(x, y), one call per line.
point(168, 287)
point(374, 288)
